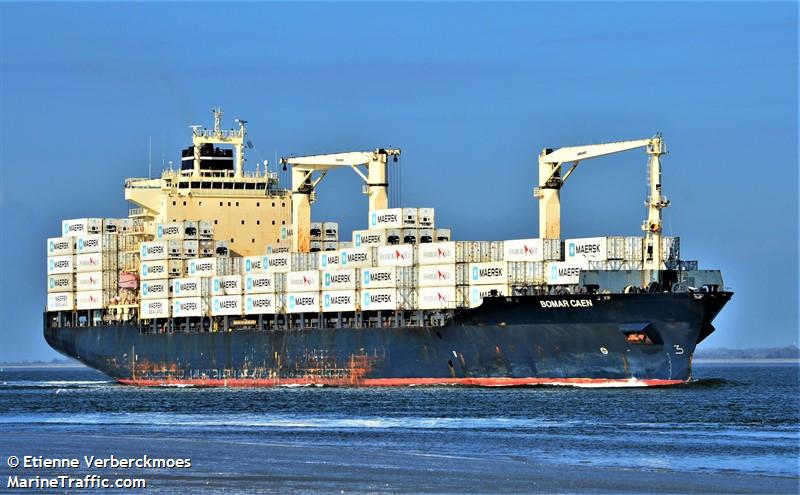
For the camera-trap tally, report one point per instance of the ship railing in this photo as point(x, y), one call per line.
point(220, 134)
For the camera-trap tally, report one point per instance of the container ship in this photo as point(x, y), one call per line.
point(218, 277)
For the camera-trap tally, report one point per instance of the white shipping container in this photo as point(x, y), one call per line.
point(60, 246)
point(394, 236)
point(375, 237)
point(526, 272)
point(564, 272)
point(156, 250)
point(278, 262)
point(227, 305)
point(261, 304)
point(339, 300)
point(95, 243)
point(410, 236)
point(254, 264)
point(302, 302)
point(154, 308)
point(443, 235)
point(171, 231)
point(633, 248)
point(671, 248)
point(330, 231)
point(229, 265)
point(125, 225)
point(344, 279)
point(61, 283)
point(205, 229)
point(391, 218)
point(96, 281)
point(263, 283)
point(153, 270)
point(228, 285)
point(425, 217)
point(190, 287)
point(183, 307)
point(190, 230)
point(436, 275)
point(110, 225)
point(379, 300)
point(315, 247)
point(435, 253)
point(175, 268)
point(60, 264)
point(155, 289)
point(400, 255)
point(345, 244)
point(357, 257)
point(81, 226)
point(410, 217)
point(201, 267)
point(300, 281)
point(531, 250)
point(191, 249)
point(330, 246)
point(315, 230)
point(589, 249)
point(61, 301)
point(426, 236)
point(271, 249)
point(175, 249)
point(92, 299)
point(221, 248)
point(436, 298)
point(495, 272)
point(329, 260)
point(475, 293)
point(388, 277)
point(206, 247)
point(94, 262)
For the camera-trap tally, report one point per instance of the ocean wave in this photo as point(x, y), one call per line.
point(57, 383)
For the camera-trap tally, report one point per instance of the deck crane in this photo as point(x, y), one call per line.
point(304, 184)
point(551, 181)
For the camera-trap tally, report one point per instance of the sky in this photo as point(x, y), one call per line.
point(470, 92)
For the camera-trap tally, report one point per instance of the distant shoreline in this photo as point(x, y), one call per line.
point(746, 360)
point(27, 366)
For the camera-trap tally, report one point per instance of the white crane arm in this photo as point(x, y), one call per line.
point(578, 153)
point(321, 162)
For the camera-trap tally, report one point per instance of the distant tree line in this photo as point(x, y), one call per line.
point(788, 352)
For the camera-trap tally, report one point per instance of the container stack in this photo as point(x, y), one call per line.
point(82, 265)
point(60, 273)
point(401, 263)
point(95, 270)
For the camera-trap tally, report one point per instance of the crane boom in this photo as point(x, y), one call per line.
point(303, 185)
point(577, 153)
point(551, 180)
